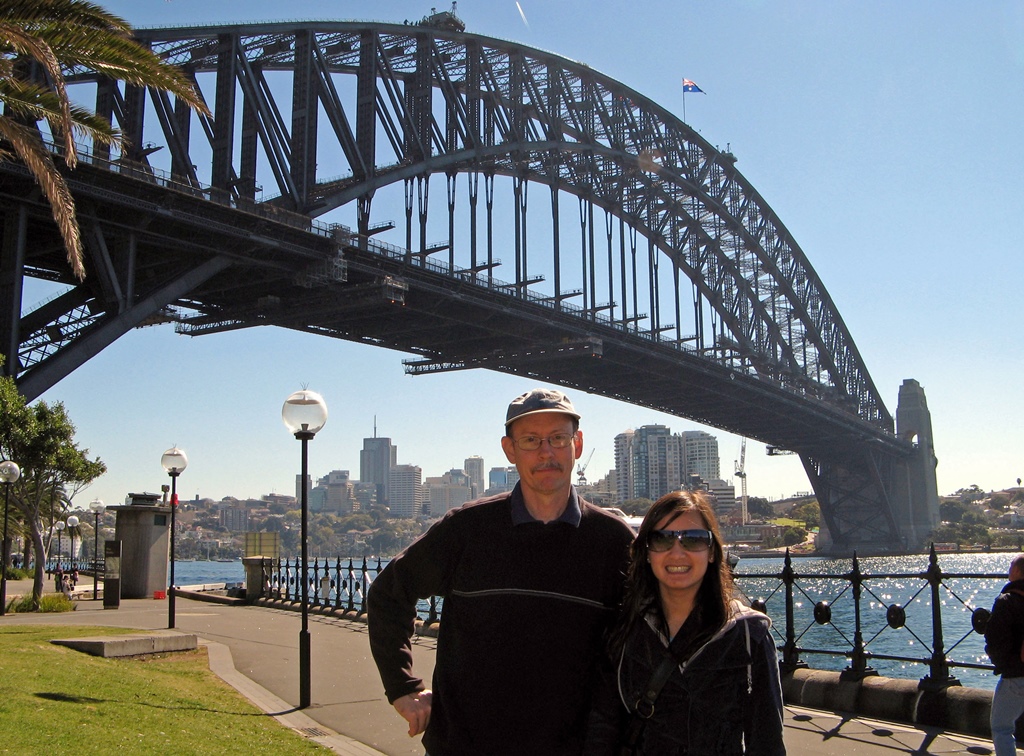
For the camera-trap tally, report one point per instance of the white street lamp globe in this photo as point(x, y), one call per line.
point(9, 472)
point(97, 506)
point(73, 521)
point(59, 525)
point(174, 461)
point(304, 412)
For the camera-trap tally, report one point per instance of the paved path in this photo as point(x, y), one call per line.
point(255, 649)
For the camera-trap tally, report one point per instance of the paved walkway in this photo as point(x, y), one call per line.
point(255, 649)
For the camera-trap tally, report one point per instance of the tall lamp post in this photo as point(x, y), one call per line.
point(304, 414)
point(72, 529)
point(9, 473)
point(60, 525)
point(174, 462)
point(97, 507)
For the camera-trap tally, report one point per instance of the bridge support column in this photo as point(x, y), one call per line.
point(916, 500)
point(12, 237)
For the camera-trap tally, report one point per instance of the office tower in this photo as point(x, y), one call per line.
point(649, 451)
point(474, 467)
point(298, 486)
point(501, 479)
point(376, 459)
point(623, 466)
point(724, 494)
point(448, 491)
point(405, 491)
point(338, 488)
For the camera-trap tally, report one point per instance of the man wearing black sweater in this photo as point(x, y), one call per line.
point(1004, 636)
point(530, 581)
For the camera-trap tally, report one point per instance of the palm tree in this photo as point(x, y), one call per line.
point(56, 35)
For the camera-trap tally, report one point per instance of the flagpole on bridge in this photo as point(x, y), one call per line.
point(689, 86)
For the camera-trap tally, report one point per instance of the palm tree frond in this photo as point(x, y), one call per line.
point(26, 143)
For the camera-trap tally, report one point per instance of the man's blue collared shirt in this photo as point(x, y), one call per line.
point(521, 515)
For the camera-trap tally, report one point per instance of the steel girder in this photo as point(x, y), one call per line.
point(430, 102)
point(450, 102)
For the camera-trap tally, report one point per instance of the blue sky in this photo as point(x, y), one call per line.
point(885, 136)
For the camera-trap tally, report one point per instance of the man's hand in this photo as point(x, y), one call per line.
point(415, 709)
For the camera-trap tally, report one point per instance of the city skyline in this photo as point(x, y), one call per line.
point(877, 148)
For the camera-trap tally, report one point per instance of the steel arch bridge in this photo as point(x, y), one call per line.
point(654, 273)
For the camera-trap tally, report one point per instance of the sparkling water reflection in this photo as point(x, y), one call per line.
point(958, 597)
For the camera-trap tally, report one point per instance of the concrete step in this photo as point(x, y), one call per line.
point(110, 646)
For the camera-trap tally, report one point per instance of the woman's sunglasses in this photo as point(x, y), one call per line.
point(690, 540)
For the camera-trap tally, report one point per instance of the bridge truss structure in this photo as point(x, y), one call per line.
point(646, 269)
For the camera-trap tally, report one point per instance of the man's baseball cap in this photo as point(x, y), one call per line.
point(539, 400)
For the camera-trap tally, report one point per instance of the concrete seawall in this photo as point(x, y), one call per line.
point(955, 708)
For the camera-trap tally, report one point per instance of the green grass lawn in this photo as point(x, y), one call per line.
point(54, 700)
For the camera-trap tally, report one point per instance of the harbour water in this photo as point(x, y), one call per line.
point(958, 597)
point(201, 572)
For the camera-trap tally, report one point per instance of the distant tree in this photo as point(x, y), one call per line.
point(40, 439)
point(807, 512)
point(951, 510)
point(759, 508)
point(792, 536)
point(1000, 500)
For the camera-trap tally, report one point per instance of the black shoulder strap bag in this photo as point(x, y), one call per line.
point(644, 708)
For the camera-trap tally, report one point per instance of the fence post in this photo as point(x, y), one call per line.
point(790, 655)
point(858, 668)
point(939, 677)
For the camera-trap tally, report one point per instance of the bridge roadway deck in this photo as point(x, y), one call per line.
point(255, 649)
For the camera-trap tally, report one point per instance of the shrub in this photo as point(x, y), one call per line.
point(50, 602)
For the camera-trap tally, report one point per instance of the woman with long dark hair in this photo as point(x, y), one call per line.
point(689, 669)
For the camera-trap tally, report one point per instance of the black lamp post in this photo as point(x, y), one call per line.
point(72, 531)
point(174, 462)
point(60, 525)
point(97, 508)
point(9, 473)
point(304, 414)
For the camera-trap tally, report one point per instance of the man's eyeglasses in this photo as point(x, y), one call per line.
point(690, 540)
point(533, 443)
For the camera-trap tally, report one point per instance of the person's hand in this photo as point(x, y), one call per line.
point(415, 709)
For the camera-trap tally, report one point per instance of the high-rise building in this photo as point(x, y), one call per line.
point(702, 455)
point(474, 467)
point(376, 459)
point(405, 491)
point(649, 452)
point(501, 479)
point(623, 466)
point(651, 461)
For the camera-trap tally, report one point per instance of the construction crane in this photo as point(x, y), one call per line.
point(582, 469)
point(741, 473)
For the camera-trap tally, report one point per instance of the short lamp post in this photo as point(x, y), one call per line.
point(97, 507)
point(9, 473)
point(304, 414)
point(72, 530)
point(174, 462)
point(60, 525)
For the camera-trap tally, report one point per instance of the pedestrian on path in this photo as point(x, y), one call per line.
point(1004, 644)
point(530, 580)
point(689, 668)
